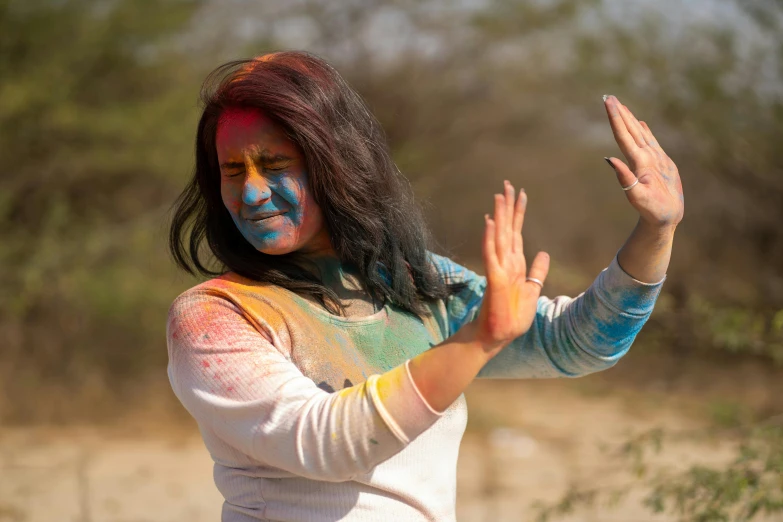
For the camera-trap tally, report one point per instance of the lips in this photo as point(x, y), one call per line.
point(264, 216)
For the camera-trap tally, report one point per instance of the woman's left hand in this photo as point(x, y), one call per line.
point(658, 194)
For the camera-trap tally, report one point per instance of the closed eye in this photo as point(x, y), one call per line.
point(276, 166)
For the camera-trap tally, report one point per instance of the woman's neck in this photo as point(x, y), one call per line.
point(346, 282)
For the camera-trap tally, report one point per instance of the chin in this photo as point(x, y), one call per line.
point(276, 250)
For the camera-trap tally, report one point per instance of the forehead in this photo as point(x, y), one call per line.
point(243, 126)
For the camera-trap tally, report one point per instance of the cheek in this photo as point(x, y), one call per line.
point(308, 218)
point(295, 190)
point(311, 218)
point(231, 194)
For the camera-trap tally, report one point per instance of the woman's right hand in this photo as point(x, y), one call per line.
point(507, 310)
point(510, 301)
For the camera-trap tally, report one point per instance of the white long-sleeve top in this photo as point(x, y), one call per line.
point(288, 397)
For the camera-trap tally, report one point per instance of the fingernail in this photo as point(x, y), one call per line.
point(605, 96)
point(609, 162)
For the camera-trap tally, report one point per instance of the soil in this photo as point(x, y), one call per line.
point(526, 441)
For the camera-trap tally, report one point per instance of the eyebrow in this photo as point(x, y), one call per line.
point(264, 157)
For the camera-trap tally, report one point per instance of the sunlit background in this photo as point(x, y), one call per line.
point(98, 106)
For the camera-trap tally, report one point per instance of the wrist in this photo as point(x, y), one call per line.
point(661, 230)
point(470, 335)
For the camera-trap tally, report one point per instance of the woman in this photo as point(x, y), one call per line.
point(325, 365)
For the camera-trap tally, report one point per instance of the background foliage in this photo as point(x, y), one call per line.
point(97, 118)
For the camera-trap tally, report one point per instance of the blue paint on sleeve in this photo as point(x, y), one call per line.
point(569, 336)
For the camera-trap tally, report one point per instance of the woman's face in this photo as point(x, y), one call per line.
point(264, 186)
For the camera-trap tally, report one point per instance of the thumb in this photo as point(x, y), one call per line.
point(624, 174)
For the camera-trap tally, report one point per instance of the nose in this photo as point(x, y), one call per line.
point(256, 190)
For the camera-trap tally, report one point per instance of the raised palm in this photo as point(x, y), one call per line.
point(656, 191)
point(510, 301)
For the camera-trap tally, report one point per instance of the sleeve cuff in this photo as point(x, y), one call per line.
point(626, 293)
point(400, 404)
point(416, 389)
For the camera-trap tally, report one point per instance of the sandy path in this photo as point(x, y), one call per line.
point(525, 441)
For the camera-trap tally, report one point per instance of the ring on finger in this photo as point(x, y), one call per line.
point(536, 281)
point(632, 185)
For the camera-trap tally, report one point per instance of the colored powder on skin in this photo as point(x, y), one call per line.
point(264, 184)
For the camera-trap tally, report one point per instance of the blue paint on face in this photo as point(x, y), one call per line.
point(280, 196)
point(265, 186)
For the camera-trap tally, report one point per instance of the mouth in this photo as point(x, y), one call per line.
point(258, 218)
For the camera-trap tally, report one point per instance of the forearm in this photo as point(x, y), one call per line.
point(646, 253)
point(442, 373)
point(577, 336)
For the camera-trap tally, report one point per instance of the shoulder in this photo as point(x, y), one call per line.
point(226, 288)
point(214, 291)
point(198, 307)
point(228, 299)
point(451, 271)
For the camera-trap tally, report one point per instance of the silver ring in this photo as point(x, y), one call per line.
point(536, 281)
point(632, 185)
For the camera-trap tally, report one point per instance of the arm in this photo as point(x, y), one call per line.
point(654, 189)
point(576, 336)
point(237, 383)
point(569, 337)
point(572, 337)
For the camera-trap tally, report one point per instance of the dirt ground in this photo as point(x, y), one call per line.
point(526, 441)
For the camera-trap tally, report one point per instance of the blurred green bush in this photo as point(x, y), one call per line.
point(97, 111)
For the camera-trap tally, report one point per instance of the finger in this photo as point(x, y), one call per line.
point(624, 175)
point(509, 193)
point(519, 220)
point(632, 124)
point(488, 247)
point(501, 238)
point(621, 135)
point(538, 270)
point(649, 136)
point(509, 232)
point(646, 134)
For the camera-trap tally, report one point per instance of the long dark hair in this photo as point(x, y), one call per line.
point(368, 206)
